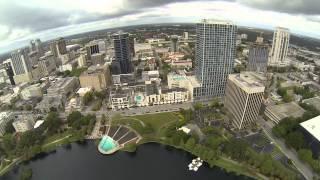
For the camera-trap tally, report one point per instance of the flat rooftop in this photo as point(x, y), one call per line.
point(250, 82)
point(286, 110)
point(313, 127)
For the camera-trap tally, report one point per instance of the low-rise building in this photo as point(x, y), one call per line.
point(23, 122)
point(49, 102)
point(82, 91)
point(276, 113)
point(179, 79)
point(31, 91)
point(64, 86)
point(96, 77)
point(74, 104)
point(121, 98)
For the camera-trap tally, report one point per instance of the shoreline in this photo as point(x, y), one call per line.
point(221, 163)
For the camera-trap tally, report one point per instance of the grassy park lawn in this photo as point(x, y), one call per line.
point(148, 125)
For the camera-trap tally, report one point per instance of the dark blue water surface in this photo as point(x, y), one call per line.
point(150, 162)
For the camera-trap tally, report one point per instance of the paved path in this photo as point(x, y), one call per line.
point(305, 170)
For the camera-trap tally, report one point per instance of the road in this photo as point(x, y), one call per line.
point(291, 154)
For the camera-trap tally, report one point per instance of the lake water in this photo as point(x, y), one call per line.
point(150, 162)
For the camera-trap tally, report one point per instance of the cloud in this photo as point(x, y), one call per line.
point(22, 20)
point(307, 7)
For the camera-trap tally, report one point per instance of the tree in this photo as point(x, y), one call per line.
point(74, 119)
point(198, 106)
point(87, 98)
point(26, 174)
point(287, 98)
point(52, 122)
point(103, 119)
point(295, 140)
point(8, 143)
point(190, 143)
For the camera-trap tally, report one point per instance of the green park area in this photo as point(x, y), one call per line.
point(149, 126)
point(50, 135)
point(218, 148)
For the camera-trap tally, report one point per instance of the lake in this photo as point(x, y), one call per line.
point(150, 161)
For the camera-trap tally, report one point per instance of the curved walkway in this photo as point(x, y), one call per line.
point(130, 118)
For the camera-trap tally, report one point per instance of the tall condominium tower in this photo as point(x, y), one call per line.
point(215, 54)
point(20, 62)
point(174, 43)
point(258, 58)
point(279, 50)
point(243, 99)
point(122, 52)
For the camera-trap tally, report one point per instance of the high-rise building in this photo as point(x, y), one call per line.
point(32, 45)
point(131, 45)
point(279, 50)
point(61, 46)
point(258, 58)
point(244, 95)
point(20, 62)
point(122, 52)
point(39, 47)
point(185, 35)
point(174, 43)
point(215, 54)
point(93, 48)
point(7, 65)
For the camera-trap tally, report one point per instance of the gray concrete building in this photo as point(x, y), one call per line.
point(122, 52)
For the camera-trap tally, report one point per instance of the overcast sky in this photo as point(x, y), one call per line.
point(23, 20)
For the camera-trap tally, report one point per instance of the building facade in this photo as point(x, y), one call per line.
point(215, 54)
point(5, 117)
point(258, 58)
point(98, 78)
point(280, 45)
point(122, 52)
point(244, 95)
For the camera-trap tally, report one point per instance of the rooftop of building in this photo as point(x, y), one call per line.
point(286, 110)
point(282, 28)
point(121, 92)
point(62, 82)
point(312, 126)
point(251, 82)
point(216, 21)
point(94, 70)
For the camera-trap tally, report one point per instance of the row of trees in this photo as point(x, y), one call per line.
point(29, 143)
point(216, 146)
point(290, 130)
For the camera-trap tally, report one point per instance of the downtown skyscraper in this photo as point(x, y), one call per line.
point(280, 45)
point(122, 52)
point(215, 54)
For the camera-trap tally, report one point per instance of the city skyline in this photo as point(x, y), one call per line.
point(68, 18)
